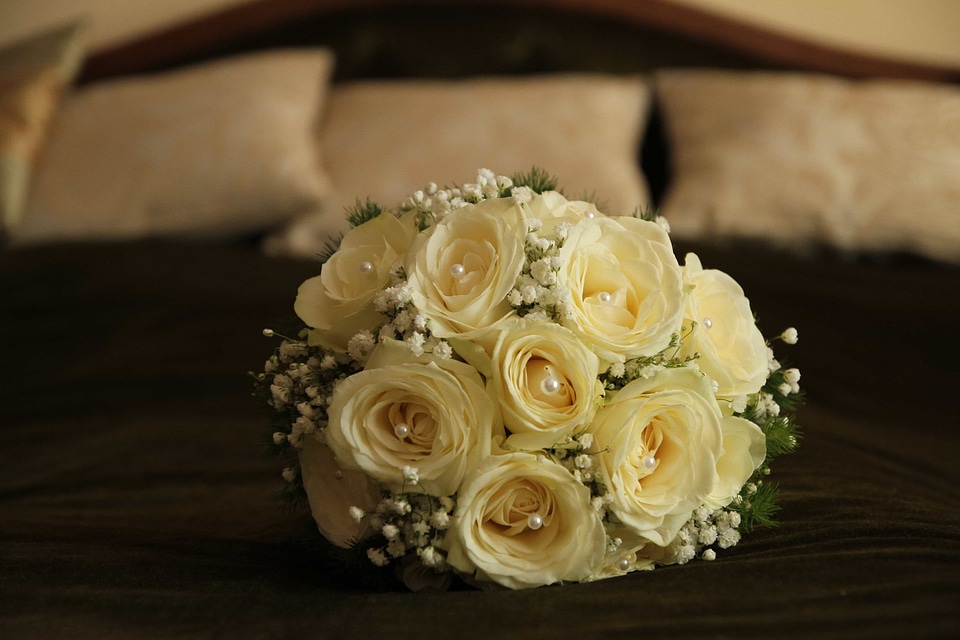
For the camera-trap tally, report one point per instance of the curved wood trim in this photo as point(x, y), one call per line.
point(219, 29)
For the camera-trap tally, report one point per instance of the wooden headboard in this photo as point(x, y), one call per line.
point(431, 38)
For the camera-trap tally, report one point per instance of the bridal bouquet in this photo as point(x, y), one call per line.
point(497, 383)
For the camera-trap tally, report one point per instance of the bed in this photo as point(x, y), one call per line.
point(136, 500)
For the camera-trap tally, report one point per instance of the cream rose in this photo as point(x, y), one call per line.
point(635, 553)
point(331, 491)
point(522, 522)
point(625, 286)
point(744, 450)
point(732, 349)
point(659, 442)
point(546, 381)
point(552, 204)
point(338, 303)
point(434, 415)
point(461, 270)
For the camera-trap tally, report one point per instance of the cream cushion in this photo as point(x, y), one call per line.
point(224, 148)
point(34, 73)
point(804, 159)
point(386, 139)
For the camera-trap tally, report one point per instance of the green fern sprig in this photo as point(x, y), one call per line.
point(363, 211)
point(782, 434)
point(330, 247)
point(537, 180)
point(649, 214)
point(758, 506)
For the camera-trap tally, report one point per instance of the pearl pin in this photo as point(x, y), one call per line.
point(401, 430)
point(458, 271)
point(649, 461)
point(366, 266)
point(534, 521)
point(707, 322)
point(623, 563)
point(550, 385)
point(605, 297)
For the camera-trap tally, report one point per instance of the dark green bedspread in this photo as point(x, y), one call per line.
point(136, 502)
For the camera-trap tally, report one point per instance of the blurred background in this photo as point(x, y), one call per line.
point(925, 31)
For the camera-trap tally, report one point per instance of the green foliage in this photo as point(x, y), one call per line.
point(363, 211)
point(293, 497)
point(346, 566)
point(330, 246)
point(757, 508)
point(782, 436)
point(537, 180)
point(646, 213)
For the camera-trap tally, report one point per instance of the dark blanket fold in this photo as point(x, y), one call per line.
point(135, 501)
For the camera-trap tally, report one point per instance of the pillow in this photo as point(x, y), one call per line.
point(33, 74)
point(387, 139)
point(807, 159)
point(224, 148)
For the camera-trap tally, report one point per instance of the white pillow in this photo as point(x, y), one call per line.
point(802, 159)
point(386, 139)
point(223, 148)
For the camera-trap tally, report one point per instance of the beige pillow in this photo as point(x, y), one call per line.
point(869, 165)
point(385, 140)
point(225, 148)
point(33, 75)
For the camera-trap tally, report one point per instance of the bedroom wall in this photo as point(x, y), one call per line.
point(915, 30)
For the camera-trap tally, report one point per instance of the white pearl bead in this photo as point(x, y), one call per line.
point(707, 322)
point(401, 430)
point(604, 297)
point(550, 385)
point(590, 214)
point(649, 461)
point(366, 266)
point(338, 474)
point(623, 563)
point(534, 521)
point(458, 270)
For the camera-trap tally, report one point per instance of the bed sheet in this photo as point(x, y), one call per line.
point(136, 500)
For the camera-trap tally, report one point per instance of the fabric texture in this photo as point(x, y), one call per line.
point(34, 74)
point(138, 503)
point(804, 159)
point(384, 140)
point(224, 148)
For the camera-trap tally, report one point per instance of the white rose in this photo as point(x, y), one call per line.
point(732, 349)
point(546, 381)
point(551, 204)
point(744, 449)
point(522, 522)
point(625, 286)
point(659, 442)
point(461, 270)
point(338, 303)
point(634, 553)
point(402, 411)
point(331, 491)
